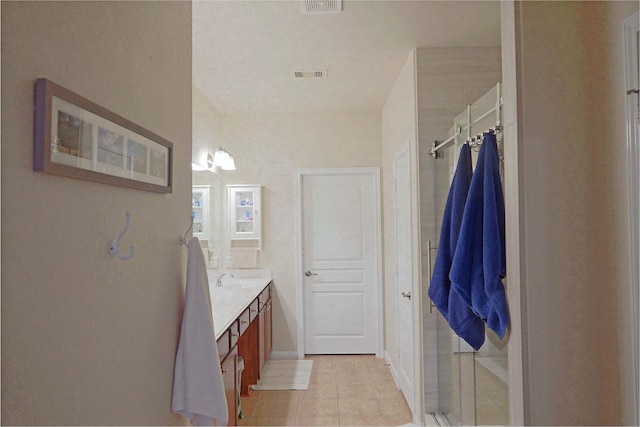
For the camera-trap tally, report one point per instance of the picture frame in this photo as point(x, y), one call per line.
point(77, 138)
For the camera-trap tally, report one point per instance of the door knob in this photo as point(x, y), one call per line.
point(309, 273)
point(406, 294)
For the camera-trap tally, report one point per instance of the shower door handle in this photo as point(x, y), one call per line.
point(430, 269)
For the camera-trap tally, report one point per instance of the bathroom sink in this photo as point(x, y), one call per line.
point(244, 273)
point(240, 278)
point(222, 293)
point(233, 288)
point(246, 283)
point(235, 295)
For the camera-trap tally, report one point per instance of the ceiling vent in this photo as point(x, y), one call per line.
point(310, 74)
point(321, 6)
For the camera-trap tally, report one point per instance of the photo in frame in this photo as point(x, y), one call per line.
point(77, 138)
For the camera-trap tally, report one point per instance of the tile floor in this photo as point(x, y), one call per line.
point(343, 391)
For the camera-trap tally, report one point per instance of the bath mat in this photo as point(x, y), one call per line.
point(285, 375)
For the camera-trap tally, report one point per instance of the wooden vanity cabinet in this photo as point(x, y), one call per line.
point(228, 366)
point(250, 337)
point(265, 326)
point(255, 343)
point(248, 350)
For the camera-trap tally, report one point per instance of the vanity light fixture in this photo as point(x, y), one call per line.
point(223, 159)
point(209, 167)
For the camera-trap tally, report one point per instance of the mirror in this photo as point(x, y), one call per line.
point(206, 138)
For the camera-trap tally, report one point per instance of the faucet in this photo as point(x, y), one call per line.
point(219, 279)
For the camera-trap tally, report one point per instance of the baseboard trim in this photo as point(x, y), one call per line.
point(392, 369)
point(283, 355)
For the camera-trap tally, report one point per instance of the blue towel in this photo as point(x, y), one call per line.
point(461, 318)
point(479, 262)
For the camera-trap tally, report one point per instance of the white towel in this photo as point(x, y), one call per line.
point(198, 389)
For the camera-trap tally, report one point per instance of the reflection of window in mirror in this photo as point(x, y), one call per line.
point(211, 227)
point(200, 206)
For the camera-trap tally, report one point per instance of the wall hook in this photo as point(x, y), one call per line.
point(114, 248)
point(183, 239)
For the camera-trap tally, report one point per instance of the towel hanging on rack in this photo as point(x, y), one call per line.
point(464, 322)
point(198, 388)
point(479, 263)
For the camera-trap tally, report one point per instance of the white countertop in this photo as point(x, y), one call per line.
point(236, 293)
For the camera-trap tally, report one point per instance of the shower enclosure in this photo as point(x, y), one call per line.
point(462, 386)
point(472, 385)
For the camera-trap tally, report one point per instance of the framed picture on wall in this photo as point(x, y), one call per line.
point(77, 138)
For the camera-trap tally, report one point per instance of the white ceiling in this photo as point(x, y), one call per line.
point(245, 52)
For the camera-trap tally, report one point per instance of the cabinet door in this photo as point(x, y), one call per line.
point(245, 212)
point(248, 345)
point(230, 387)
point(268, 330)
point(262, 322)
point(265, 338)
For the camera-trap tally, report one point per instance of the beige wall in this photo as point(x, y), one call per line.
point(399, 128)
point(268, 148)
point(88, 338)
point(574, 272)
point(206, 128)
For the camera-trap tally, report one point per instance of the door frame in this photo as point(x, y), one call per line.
point(374, 173)
point(631, 27)
point(405, 150)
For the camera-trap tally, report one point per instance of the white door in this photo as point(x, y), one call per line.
point(402, 178)
point(340, 239)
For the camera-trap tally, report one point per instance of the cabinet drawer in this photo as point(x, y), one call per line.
point(264, 296)
point(253, 309)
point(234, 330)
point(223, 345)
point(245, 319)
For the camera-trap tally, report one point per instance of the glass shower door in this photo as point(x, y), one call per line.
point(471, 385)
point(455, 357)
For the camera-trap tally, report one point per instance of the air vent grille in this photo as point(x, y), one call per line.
point(310, 74)
point(321, 6)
